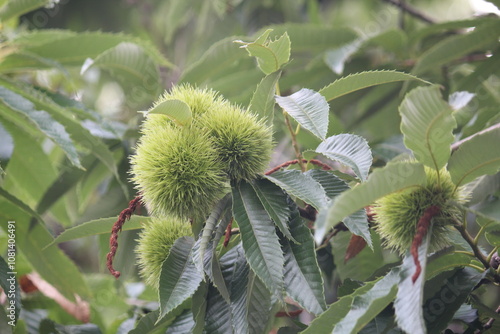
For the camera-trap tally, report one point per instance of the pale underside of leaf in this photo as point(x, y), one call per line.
point(309, 109)
point(300, 185)
point(350, 150)
point(410, 297)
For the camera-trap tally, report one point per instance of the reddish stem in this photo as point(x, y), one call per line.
point(227, 238)
point(290, 314)
point(422, 228)
point(117, 227)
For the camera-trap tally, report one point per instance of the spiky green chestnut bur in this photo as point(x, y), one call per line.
point(154, 243)
point(183, 170)
point(177, 171)
point(243, 143)
point(397, 214)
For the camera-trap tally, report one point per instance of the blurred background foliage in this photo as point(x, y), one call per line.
point(74, 74)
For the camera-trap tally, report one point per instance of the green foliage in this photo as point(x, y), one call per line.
point(309, 109)
point(470, 161)
point(153, 246)
point(235, 236)
point(350, 150)
point(427, 126)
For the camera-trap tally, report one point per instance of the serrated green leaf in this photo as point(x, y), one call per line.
point(259, 304)
point(357, 81)
point(332, 185)
point(274, 201)
point(74, 127)
point(410, 297)
point(183, 323)
point(207, 235)
point(179, 278)
point(478, 156)
point(16, 8)
point(271, 55)
point(350, 150)
point(262, 102)
point(98, 226)
point(8, 280)
point(236, 270)
point(303, 281)
point(427, 125)
point(259, 238)
point(368, 305)
point(383, 181)
point(309, 109)
point(134, 69)
point(218, 314)
point(42, 120)
point(204, 253)
point(457, 46)
point(176, 110)
point(300, 185)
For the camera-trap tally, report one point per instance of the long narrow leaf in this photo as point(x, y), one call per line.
point(208, 232)
point(274, 201)
point(303, 281)
point(410, 297)
point(259, 238)
point(42, 120)
point(179, 277)
point(357, 81)
point(98, 226)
